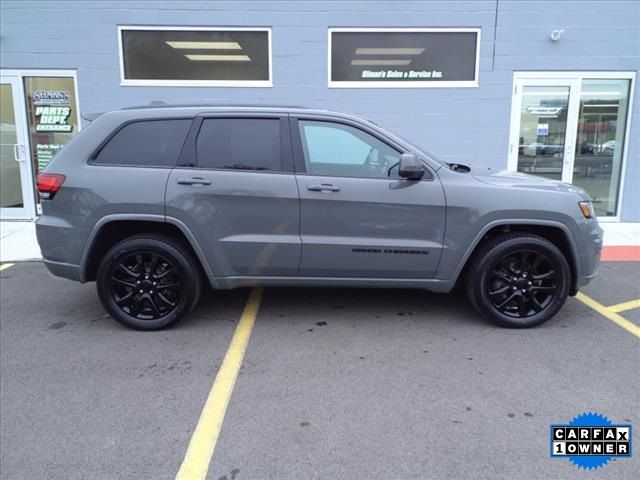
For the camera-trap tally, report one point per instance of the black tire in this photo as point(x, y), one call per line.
point(518, 280)
point(149, 282)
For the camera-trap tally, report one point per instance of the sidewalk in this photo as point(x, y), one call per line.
point(18, 241)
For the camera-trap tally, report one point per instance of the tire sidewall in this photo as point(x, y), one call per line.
point(488, 263)
point(173, 255)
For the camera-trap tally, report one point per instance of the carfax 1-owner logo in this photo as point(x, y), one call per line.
point(590, 440)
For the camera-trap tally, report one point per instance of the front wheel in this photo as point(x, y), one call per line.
point(518, 280)
point(148, 282)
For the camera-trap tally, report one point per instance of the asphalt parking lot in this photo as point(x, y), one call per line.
point(334, 383)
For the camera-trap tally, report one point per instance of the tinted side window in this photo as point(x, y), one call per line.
point(240, 144)
point(338, 150)
point(152, 143)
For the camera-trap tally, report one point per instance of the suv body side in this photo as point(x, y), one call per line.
point(255, 228)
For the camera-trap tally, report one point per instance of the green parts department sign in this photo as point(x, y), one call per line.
point(53, 108)
point(53, 119)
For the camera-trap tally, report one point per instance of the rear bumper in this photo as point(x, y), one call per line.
point(64, 270)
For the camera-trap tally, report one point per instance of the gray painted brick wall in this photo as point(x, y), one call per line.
point(457, 124)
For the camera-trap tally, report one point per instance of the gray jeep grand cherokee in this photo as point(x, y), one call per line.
point(150, 202)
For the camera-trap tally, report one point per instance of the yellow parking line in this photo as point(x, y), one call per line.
point(4, 266)
point(610, 314)
point(621, 307)
point(196, 461)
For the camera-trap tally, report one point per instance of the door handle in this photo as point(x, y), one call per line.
point(194, 181)
point(325, 187)
point(18, 152)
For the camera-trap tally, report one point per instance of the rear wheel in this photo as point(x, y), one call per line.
point(148, 282)
point(518, 280)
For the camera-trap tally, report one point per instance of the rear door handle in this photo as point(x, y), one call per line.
point(194, 181)
point(324, 187)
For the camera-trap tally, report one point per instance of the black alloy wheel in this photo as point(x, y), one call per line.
point(149, 282)
point(518, 280)
point(522, 284)
point(146, 285)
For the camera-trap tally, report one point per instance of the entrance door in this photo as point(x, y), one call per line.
point(16, 187)
point(542, 141)
point(572, 127)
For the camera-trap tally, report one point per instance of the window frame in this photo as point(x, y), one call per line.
point(299, 148)
point(193, 83)
point(188, 158)
point(405, 84)
point(93, 158)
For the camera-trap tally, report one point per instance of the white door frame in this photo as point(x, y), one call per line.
point(20, 108)
point(573, 78)
point(573, 105)
point(21, 153)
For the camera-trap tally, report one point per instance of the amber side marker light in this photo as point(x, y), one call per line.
point(587, 209)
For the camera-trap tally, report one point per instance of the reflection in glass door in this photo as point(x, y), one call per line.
point(543, 128)
point(600, 139)
point(16, 189)
point(571, 127)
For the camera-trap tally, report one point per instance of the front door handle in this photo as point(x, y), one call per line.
point(324, 187)
point(194, 181)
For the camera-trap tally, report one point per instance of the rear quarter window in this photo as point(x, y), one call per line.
point(147, 143)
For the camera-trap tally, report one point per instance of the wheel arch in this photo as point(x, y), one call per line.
point(111, 229)
point(557, 233)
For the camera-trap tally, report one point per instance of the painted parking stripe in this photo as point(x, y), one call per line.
point(4, 266)
point(621, 307)
point(608, 313)
point(196, 461)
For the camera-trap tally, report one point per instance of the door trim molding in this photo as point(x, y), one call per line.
point(577, 75)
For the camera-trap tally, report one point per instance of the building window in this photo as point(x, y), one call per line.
point(189, 56)
point(403, 57)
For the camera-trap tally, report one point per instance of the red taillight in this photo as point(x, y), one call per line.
point(48, 184)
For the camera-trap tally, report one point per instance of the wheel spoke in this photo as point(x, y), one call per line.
point(506, 302)
point(502, 276)
point(154, 264)
point(499, 290)
point(165, 300)
point(537, 306)
point(522, 307)
point(169, 285)
point(128, 271)
point(154, 307)
point(162, 275)
point(523, 260)
point(135, 307)
point(125, 298)
point(544, 276)
point(124, 283)
point(140, 263)
point(536, 262)
point(543, 289)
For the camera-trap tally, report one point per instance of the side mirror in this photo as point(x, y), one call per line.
point(410, 167)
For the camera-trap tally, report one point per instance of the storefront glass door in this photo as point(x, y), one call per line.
point(571, 127)
point(16, 187)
